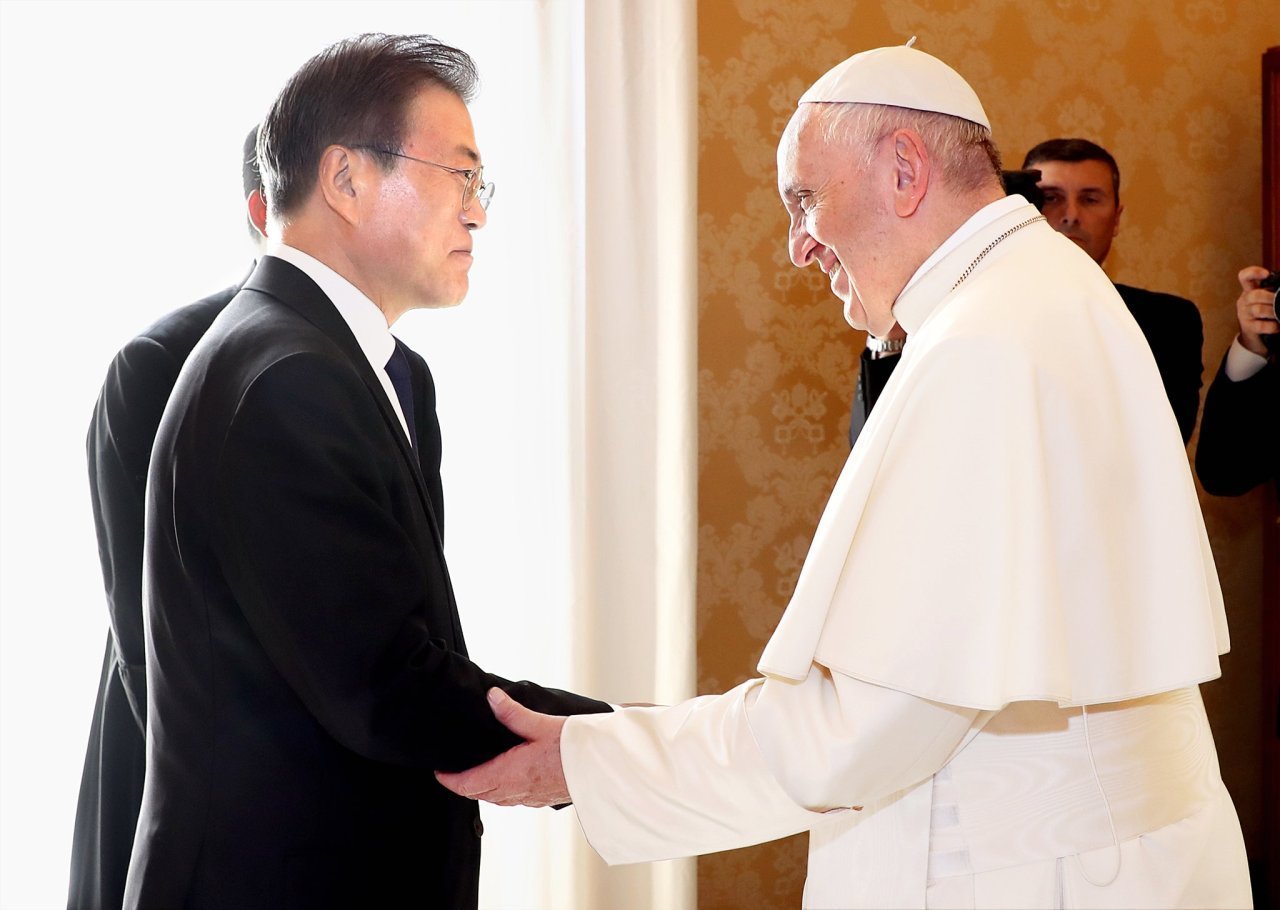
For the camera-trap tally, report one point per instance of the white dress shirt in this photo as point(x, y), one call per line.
point(1242, 363)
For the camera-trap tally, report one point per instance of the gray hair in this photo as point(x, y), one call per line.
point(964, 151)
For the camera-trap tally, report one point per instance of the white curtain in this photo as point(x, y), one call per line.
point(592, 425)
point(633, 113)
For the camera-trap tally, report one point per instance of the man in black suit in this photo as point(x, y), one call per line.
point(305, 654)
point(1080, 181)
point(121, 433)
point(1239, 444)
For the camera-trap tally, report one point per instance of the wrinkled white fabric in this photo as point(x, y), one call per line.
point(1018, 520)
point(957, 807)
point(1015, 535)
point(828, 744)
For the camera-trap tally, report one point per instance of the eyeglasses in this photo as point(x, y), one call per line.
point(473, 189)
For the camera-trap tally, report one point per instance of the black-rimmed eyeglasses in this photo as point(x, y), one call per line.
point(473, 189)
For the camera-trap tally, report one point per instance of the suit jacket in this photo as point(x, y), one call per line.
point(1175, 332)
point(1172, 327)
point(121, 433)
point(306, 659)
point(1239, 444)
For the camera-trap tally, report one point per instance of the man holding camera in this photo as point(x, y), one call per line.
point(1239, 445)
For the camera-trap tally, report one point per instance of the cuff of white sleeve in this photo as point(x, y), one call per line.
point(1242, 363)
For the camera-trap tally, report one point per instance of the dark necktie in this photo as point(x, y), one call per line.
point(398, 370)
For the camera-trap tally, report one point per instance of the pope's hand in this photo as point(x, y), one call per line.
point(529, 774)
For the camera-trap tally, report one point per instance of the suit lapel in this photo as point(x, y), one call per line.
point(292, 287)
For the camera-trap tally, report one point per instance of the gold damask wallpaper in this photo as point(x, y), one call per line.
point(1170, 87)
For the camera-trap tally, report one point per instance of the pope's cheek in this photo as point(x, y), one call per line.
point(854, 314)
point(841, 286)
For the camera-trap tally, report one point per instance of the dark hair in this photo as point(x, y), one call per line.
point(250, 175)
point(355, 92)
point(1074, 150)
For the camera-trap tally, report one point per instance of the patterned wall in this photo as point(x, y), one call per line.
point(1171, 87)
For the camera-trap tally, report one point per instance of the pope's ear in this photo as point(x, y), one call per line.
point(912, 169)
point(341, 178)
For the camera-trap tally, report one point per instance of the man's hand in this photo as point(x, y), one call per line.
point(529, 774)
point(1255, 310)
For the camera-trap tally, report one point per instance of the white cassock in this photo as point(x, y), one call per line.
point(995, 644)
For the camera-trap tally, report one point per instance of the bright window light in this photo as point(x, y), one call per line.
point(121, 135)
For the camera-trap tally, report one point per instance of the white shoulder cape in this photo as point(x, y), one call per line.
point(1017, 520)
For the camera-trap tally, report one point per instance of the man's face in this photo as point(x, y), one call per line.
point(1080, 201)
point(415, 238)
point(838, 220)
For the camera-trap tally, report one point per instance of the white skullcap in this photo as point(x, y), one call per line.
point(901, 76)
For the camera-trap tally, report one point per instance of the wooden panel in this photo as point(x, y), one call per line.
point(1271, 157)
point(1268, 887)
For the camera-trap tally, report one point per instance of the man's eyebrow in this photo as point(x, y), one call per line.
point(469, 152)
point(1046, 186)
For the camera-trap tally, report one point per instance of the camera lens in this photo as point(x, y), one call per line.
point(1272, 283)
point(1272, 341)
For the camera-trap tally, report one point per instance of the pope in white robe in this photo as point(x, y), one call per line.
point(984, 691)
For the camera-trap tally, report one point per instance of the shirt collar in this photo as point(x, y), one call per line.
point(362, 316)
point(938, 273)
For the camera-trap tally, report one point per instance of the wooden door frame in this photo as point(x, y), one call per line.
point(1271, 533)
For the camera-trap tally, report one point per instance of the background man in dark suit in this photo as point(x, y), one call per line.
point(1081, 184)
point(1080, 181)
point(121, 433)
point(305, 655)
point(1240, 435)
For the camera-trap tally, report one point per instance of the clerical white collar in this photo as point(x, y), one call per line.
point(361, 314)
point(912, 306)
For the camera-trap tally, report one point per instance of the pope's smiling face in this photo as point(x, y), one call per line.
point(840, 218)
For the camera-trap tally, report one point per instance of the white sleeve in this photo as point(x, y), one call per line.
point(1242, 363)
point(762, 761)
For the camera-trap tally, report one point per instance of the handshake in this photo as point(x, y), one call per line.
point(530, 774)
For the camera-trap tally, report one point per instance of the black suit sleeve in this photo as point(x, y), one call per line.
point(331, 576)
point(1239, 445)
point(538, 698)
point(1181, 369)
point(119, 443)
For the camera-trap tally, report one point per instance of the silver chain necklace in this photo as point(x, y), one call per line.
point(991, 246)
